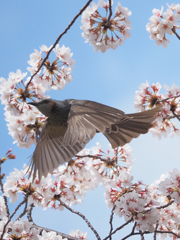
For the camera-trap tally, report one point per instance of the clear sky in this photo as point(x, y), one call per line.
point(110, 78)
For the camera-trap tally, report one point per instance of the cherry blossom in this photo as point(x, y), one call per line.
point(104, 33)
point(162, 24)
point(25, 122)
point(149, 96)
point(22, 229)
point(78, 234)
point(50, 236)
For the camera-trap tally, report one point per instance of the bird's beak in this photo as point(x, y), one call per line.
point(32, 103)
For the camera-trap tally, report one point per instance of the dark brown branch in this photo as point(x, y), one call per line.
point(110, 221)
point(168, 232)
point(29, 212)
point(165, 99)
point(20, 204)
point(155, 231)
point(119, 228)
point(166, 205)
point(24, 212)
point(142, 235)
point(174, 31)
point(176, 115)
point(29, 216)
point(132, 232)
point(5, 198)
point(57, 40)
point(110, 11)
point(147, 232)
point(82, 216)
point(50, 230)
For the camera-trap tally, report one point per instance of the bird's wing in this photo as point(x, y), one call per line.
point(51, 150)
point(87, 117)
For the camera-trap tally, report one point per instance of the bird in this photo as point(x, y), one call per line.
point(71, 124)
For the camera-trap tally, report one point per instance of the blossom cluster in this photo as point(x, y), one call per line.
point(25, 122)
point(24, 230)
point(151, 206)
point(104, 33)
point(147, 205)
point(162, 24)
point(134, 201)
point(150, 96)
point(70, 182)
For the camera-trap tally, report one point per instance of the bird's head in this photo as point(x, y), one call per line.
point(45, 106)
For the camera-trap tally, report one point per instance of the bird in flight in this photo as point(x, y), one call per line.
point(71, 124)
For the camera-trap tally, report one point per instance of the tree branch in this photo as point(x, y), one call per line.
point(166, 205)
point(110, 11)
point(24, 212)
point(165, 99)
point(29, 216)
point(110, 221)
point(24, 201)
point(142, 235)
point(174, 31)
point(29, 212)
point(176, 115)
point(132, 232)
point(119, 228)
point(155, 231)
point(82, 216)
point(168, 232)
point(57, 40)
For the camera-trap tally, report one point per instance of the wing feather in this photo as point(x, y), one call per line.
point(58, 144)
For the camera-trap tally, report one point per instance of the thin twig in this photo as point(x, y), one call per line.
point(119, 228)
point(29, 216)
point(110, 221)
point(142, 235)
point(165, 99)
point(5, 198)
point(57, 40)
point(176, 115)
point(20, 204)
point(29, 212)
point(169, 117)
point(23, 213)
point(166, 205)
point(155, 231)
point(110, 11)
point(81, 215)
point(132, 232)
point(174, 31)
point(169, 232)
point(147, 232)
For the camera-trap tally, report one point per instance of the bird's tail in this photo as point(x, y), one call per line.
point(135, 124)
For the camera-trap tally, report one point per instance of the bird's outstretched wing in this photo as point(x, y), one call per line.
point(51, 150)
point(87, 117)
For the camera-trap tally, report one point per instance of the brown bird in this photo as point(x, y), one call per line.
point(71, 124)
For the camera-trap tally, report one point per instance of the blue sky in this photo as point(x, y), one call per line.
point(110, 78)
